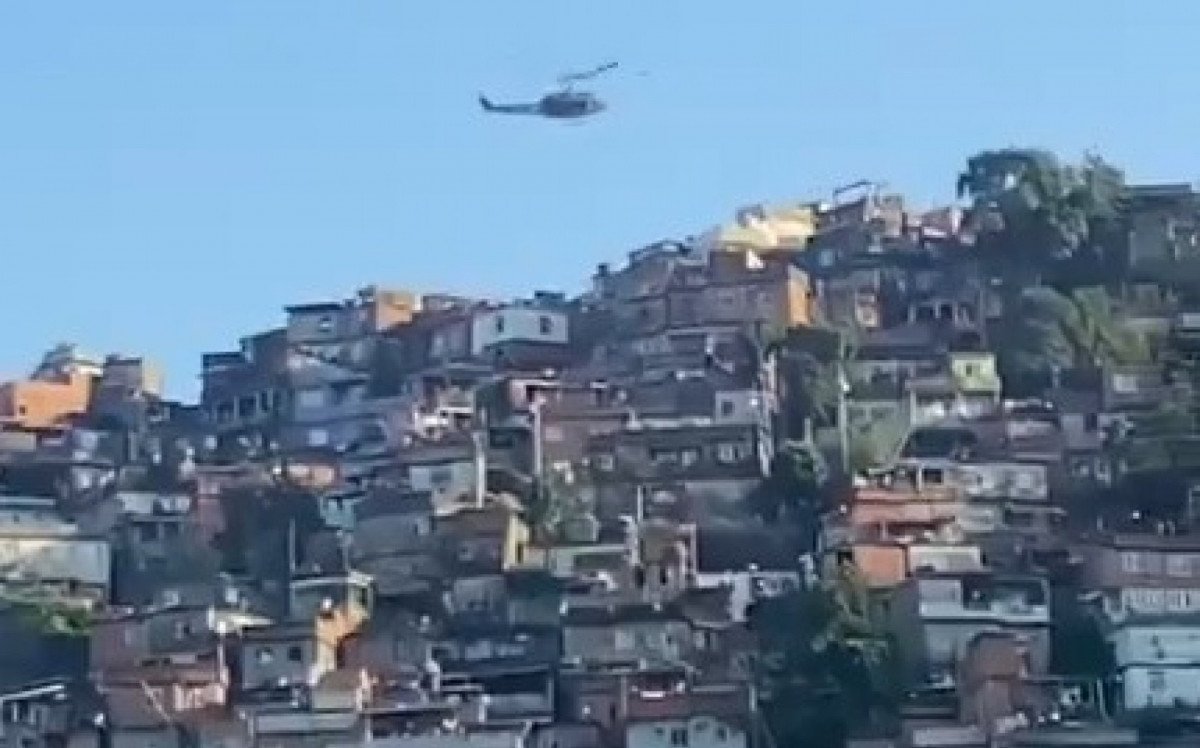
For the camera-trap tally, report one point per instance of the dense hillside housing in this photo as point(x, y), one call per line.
point(840, 471)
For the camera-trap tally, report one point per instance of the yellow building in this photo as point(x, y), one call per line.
point(763, 229)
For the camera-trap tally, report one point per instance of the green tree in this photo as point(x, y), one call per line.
point(551, 502)
point(809, 362)
point(792, 486)
point(822, 667)
point(1078, 646)
point(1029, 209)
point(1044, 329)
point(47, 618)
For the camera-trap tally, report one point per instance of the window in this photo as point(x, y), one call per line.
point(1176, 601)
point(1124, 384)
point(313, 398)
point(679, 737)
point(623, 641)
point(295, 654)
point(545, 325)
point(325, 324)
point(499, 323)
point(1156, 680)
point(440, 477)
point(606, 462)
point(722, 733)
point(264, 655)
point(730, 452)
point(1179, 565)
point(689, 456)
point(1135, 562)
point(727, 408)
point(664, 456)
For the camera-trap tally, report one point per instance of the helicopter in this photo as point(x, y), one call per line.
point(565, 103)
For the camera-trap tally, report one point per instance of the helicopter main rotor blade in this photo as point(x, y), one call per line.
point(588, 74)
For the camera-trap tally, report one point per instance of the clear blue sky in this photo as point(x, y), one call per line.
point(172, 173)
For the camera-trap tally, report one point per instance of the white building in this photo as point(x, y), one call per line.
point(714, 716)
point(517, 323)
point(686, 732)
point(748, 586)
point(42, 554)
point(1159, 665)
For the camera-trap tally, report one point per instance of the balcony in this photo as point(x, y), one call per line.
point(1013, 612)
point(297, 722)
point(350, 408)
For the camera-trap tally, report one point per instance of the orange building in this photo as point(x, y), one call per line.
point(903, 524)
point(37, 403)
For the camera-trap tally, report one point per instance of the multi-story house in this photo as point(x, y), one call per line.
point(1143, 575)
point(1162, 224)
point(290, 654)
point(1158, 663)
point(245, 392)
point(715, 464)
point(49, 713)
point(393, 541)
point(46, 557)
point(478, 547)
point(670, 288)
point(700, 716)
point(452, 469)
point(345, 331)
point(1008, 499)
point(967, 385)
point(910, 518)
point(187, 623)
point(609, 632)
point(936, 615)
point(507, 334)
point(128, 394)
point(304, 385)
point(59, 389)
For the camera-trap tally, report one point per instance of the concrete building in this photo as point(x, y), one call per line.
point(935, 616)
point(1158, 662)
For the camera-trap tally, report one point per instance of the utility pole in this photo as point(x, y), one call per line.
point(535, 407)
point(479, 454)
point(843, 417)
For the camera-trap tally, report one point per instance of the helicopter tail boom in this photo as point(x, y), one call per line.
point(489, 106)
